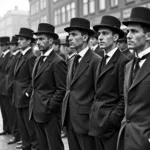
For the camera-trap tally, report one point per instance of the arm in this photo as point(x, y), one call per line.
point(60, 73)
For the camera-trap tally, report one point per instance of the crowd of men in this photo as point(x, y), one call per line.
point(95, 84)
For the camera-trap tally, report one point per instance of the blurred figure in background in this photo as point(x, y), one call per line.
point(122, 44)
point(56, 48)
point(93, 43)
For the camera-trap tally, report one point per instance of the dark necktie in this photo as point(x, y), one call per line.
point(137, 66)
point(104, 62)
point(40, 62)
point(75, 63)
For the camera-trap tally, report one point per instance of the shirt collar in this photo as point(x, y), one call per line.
point(4, 53)
point(94, 47)
point(83, 52)
point(25, 51)
point(141, 54)
point(48, 52)
point(111, 53)
point(15, 53)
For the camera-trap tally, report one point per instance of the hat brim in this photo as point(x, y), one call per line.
point(54, 35)
point(68, 29)
point(21, 35)
point(119, 31)
point(138, 21)
point(13, 42)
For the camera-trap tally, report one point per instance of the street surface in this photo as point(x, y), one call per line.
point(5, 138)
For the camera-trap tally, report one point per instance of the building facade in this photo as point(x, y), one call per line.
point(12, 21)
point(59, 12)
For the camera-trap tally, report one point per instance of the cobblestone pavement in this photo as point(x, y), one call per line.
point(5, 138)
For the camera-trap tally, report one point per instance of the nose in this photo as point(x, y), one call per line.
point(100, 37)
point(129, 35)
point(70, 37)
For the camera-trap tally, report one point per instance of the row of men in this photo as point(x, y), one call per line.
point(102, 101)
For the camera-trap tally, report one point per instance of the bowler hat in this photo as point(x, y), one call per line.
point(26, 32)
point(65, 41)
point(4, 40)
point(139, 15)
point(45, 28)
point(95, 35)
point(14, 40)
point(110, 22)
point(81, 24)
point(124, 38)
point(57, 42)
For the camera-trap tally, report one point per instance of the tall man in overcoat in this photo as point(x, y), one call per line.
point(108, 108)
point(23, 89)
point(49, 87)
point(80, 86)
point(135, 129)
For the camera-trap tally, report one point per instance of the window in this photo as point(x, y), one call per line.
point(57, 17)
point(91, 6)
point(68, 13)
point(73, 10)
point(102, 4)
point(128, 1)
point(114, 3)
point(63, 12)
point(36, 7)
point(44, 19)
point(85, 7)
point(42, 4)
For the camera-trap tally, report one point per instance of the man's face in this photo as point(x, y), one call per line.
point(4, 47)
point(136, 38)
point(76, 39)
point(122, 45)
point(43, 42)
point(56, 47)
point(93, 41)
point(23, 43)
point(13, 47)
point(106, 39)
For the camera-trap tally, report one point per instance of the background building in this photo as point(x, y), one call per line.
point(59, 12)
point(12, 21)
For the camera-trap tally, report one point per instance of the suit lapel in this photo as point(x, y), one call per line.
point(111, 62)
point(69, 75)
point(45, 64)
point(143, 72)
point(83, 65)
point(20, 62)
point(35, 67)
point(128, 75)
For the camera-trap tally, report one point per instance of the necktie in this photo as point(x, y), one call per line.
point(40, 62)
point(104, 62)
point(137, 66)
point(76, 63)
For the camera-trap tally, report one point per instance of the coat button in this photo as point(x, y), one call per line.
point(128, 121)
point(130, 104)
point(98, 86)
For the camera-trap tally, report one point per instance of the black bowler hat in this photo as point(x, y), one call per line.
point(65, 41)
point(110, 22)
point(14, 40)
point(139, 15)
point(81, 24)
point(45, 28)
point(4, 40)
point(26, 32)
point(95, 35)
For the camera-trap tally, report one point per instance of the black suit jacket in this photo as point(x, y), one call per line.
point(80, 92)
point(10, 73)
point(108, 108)
point(23, 77)
point(3, 81)
point(99, 51)
point(135, 129)
point(49, 87)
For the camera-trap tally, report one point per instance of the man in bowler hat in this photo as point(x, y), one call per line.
point(4, 99)
point(135, 130)
point(80, 86)
point(23, 89)
point(108, 108)
point(49, 87)
point(15, 53)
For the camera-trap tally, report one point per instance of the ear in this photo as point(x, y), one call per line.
point(51, 41)
point(116, 37)
point(147, 35)
point(29, 42)
point(85, 37)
